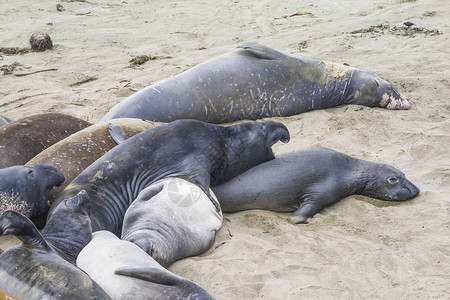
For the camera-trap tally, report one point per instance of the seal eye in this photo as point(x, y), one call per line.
point(392, 180)
point(377, 83)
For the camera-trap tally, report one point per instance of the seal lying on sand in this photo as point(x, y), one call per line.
point(171, 220)
point(315, 178)
point(35, 270)
point(24, 188)
point(78, 151)
point(256, 82)
point(124, 271)
point(23, 139)
point(198, 152)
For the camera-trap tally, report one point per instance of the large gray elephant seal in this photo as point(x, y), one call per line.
point(313, 178)
point(198, 152)
point(256, 82)
point(24, 188)
point(172, 219)
point(23, 139)
point(34, 270)
point(124, 271)
point(79, 150)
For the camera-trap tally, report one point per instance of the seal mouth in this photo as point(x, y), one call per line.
point(394, 103)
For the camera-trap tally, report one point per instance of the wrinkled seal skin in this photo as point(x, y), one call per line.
point(24, 188)
point(124, 271)
point(69, 229)
point(23, 139)
point(78, 151)
point(313, 178)
point(172, 219)
point(256, 82)
point(198, 152)
point(4, 120)
point(34, 270)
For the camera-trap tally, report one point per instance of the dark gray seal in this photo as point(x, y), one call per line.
point(24, 188)
point(124, 271)
point(35, 270)
point(313, 178)
point(256, 82)
point(199, 152)
point(172, 219)
point(23, 139)
point(79, 150)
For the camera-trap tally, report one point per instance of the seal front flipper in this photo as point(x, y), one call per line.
point(117, 133)
point(152, 274)
point(14, 223)
point(261, 51)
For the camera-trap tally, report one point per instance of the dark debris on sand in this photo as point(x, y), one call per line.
point(378, 30)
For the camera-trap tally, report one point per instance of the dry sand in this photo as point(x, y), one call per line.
point(356, 249)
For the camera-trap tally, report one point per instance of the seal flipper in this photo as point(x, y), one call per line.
point(261, 51)
point(14, 223)
point(152, 274)
point(117, 133)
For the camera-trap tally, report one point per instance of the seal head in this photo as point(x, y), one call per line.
point(371, 90)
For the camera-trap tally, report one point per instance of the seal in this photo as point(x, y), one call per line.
point(4, 120)
point(199, 152)
point(313, 178)
point(23, 139)
point(172, 219)
point(124, 271)
point(254, 82)
point(23, 188)
point(79, 150)
point(34, 270)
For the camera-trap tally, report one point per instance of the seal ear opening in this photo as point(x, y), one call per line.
point(276, 131)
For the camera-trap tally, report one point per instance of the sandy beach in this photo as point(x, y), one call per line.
point(359, 248)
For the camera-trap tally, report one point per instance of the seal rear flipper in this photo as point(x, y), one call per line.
point(117, 133)
point(261, 51)
point(151, 274)
point(14, 223)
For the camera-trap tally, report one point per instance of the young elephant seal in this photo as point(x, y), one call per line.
point(172, 219)
point(124, 271)
point(304, 182)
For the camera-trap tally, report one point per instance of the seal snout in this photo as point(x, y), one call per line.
point(394, 103)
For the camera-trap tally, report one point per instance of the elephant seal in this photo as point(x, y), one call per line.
point(4, 120)
point(34, 270)
point(23, 139)
point(315, 178)
point(124, 271)
point(199, 152)
point(78, 151)
point(172, 219)
point(23, 188)
point(256, 82)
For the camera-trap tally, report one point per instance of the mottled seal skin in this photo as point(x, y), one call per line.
point(4, 120)
point(199, 152)
point(256, 82)
point(78, 151)
point(23, 188)
point(34, 270)
point(172, 219)
point(23, 139)
point(124, 271)
point(313, 178)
